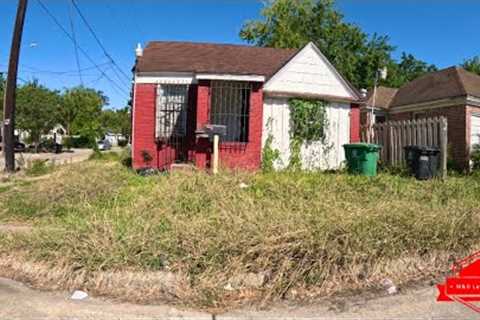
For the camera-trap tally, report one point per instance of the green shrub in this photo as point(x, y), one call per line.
point(38, 168)
point(475, 158)
point(79, 142)
point(105, 156)
point(122, 143)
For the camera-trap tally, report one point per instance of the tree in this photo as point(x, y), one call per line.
point(116, 121)
point(81, 110)
point(36, 109)
point(293, 23)
point(472, 65)
point(408, 69)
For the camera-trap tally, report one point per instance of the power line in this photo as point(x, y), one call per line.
point(105, 52)
point(54, 19)
point(37, 70)
point(72, 27)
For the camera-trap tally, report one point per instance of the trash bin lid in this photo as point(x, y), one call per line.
point(362, 145)
point(421, 148)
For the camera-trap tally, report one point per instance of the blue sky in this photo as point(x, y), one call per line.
point(438, 31)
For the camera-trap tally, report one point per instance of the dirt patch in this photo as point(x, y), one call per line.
point(15, 228)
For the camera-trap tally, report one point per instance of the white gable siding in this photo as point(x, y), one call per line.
point(309, 73)
point(276, 117)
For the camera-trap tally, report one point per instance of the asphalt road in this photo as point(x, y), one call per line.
point(17, 301)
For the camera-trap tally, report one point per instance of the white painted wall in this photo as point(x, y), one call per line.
point(310, 73)
point(276, 122)
point(475, 130)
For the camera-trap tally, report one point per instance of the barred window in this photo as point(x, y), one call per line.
point(171, 111)
point(230, 106)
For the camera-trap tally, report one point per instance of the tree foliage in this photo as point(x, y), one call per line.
point(472, 65)
point(116, 121)
point(81, 111)
point(37, 109)
point(294, 23)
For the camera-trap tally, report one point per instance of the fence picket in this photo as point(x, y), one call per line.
point(393, 136)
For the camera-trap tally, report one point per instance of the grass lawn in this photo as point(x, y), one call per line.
point(308, 234)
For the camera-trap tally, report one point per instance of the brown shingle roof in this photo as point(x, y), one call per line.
point(212, 58)
point(383, 99)
point(447, 83)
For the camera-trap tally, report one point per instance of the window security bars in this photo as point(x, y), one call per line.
point(230, 106)
point(171, 111)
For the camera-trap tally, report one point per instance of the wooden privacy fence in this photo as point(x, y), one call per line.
point(393, 136)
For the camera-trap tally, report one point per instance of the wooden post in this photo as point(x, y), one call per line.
point(444, 146)
point(216, 139)
point(10, 90)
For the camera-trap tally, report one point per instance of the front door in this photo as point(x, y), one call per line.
point(171, 123)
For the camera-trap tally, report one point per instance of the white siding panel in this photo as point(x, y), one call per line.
point(309, 73)
point(315, 155)
point(475, 130)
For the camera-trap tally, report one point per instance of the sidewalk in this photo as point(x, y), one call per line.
point(20, 302)
point(76, 155)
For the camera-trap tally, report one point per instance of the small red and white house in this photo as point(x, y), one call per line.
point(181, 87)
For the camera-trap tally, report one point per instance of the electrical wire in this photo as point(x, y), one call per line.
point(92, 31)
point(72, 28)
point(112, 82)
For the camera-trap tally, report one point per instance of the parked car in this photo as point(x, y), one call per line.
point(47, 146)
point(104, 145)
point(19, 147)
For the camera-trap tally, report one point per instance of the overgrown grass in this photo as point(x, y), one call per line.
point(320, 233)
point(38, 168)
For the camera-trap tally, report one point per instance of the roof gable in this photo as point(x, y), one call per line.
point(444, 84)
point(383, 99)
point(212, 58)
point(310, 73)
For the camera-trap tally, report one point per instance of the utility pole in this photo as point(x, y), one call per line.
point(10, 89)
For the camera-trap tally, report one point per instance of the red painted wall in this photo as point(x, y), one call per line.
point(232, 155)
point(144, 125)
point(163, 155)
point(354, 123)
point(247, 155)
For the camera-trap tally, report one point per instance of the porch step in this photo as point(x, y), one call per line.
point(187, 167)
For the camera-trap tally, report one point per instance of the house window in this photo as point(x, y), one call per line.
point(171, 111)
point(380, 119)
point(419, 115)
point(230, 106)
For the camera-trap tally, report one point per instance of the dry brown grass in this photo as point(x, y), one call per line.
point(312, 234)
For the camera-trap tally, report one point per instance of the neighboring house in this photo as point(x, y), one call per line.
point(181, 87)
point(56, 134)
point(453, 93)
point(380, 105)
point(114, 138)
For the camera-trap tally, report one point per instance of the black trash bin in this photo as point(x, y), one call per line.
point(423, 161)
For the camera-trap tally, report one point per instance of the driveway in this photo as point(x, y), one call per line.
point(20, 302)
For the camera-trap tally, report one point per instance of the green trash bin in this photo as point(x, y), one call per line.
point(362, 158)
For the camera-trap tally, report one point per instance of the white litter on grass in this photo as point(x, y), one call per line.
point(390, 286)
point(79, 295)
point(243, 185)
point(228, 287)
